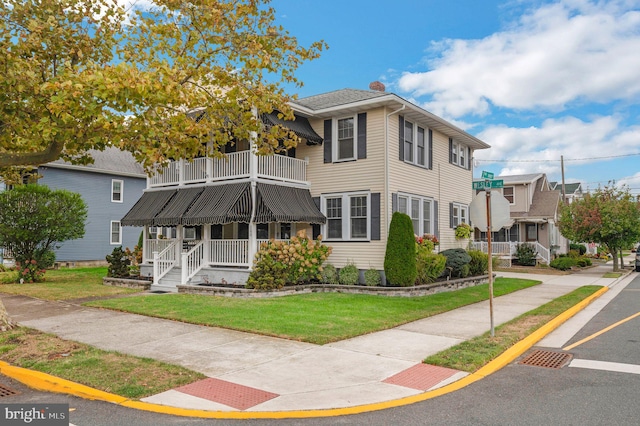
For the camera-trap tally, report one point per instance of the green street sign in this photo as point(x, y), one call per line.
point(497, 183)
point(488, 184)
point(487, 175)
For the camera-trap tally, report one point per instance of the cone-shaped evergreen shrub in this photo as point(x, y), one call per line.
point(400, 257)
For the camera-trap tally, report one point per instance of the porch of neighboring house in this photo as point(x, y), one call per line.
point(504, 243)
point(205, 219)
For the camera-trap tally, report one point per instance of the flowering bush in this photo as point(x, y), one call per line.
point(29, 271)
point(463, 231)
point(301, 256)
point(427, 242)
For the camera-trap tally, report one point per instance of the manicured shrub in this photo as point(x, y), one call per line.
point(479, 264)
point(118, 263)
point(583, 262)
point(526, 254)
point(349, 274)
point(563, 263)
point(580, 248)
point(457, 258)
point(372, 277)
point(267, 273)
point(400, 256)
point(329, 274)
point(430, 266)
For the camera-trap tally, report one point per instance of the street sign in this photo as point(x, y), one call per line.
point(487, 175)
point(500, 211)
point(486, 184)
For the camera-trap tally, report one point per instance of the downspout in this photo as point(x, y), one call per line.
point(386, 168)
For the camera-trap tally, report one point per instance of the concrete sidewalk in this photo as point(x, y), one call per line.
point(253, 373)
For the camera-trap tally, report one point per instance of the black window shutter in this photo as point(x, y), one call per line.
point(375, 216)
point(327, 141)
point(401, 126)
point(362, 135)
point(468, 158)
point(315, 227)
point(450, 150)
point(394, 202)
point(450, 215)
point(436, 214)
point(430, 149)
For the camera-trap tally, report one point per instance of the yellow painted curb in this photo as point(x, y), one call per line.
point(46, 382)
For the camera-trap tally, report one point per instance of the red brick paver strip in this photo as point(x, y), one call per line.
point(421, 376)
point(227, 393)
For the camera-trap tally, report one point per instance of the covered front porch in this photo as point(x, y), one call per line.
point(211, 233)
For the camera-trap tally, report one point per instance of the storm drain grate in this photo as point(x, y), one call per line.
point(547, 359)
point(5, 391)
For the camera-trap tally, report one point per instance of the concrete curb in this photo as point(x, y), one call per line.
point(49, 383)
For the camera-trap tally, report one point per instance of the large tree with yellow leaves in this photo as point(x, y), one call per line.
point(83, 74)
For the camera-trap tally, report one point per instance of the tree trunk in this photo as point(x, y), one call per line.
point(5, 319)
point(614, 255)
point(621, 260)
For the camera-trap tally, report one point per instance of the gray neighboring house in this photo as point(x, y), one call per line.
point(572, 191)
point(534, 214)
point(110, 187)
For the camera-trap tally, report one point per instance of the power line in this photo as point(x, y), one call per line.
point(566, 159)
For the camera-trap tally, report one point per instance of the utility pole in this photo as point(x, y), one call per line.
point(564, 193)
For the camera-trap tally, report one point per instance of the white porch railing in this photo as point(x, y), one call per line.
point(509, 248)
point(234, 165)
point(151, 246)
point(192, 262)
point(164, 261)
point(229, 252)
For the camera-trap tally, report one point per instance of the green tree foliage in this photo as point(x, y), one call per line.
point(609, 216)
point(400, 256)
point(81, 74)
point(33, 219)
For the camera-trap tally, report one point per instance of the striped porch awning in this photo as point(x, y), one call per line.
point(178, 205)
point(147, 207)
point(276, 203)
point(221, 204)
point(300, 126)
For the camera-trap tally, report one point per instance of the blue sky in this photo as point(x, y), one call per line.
point(535, 79)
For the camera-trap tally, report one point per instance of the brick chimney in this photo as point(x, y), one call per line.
point(377, 86)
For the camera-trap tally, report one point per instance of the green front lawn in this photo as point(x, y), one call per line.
point(63, 284)
point(318, 318)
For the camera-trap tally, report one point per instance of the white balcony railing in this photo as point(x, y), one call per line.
point(229, 252)
point(151, 246)
point(233, 166)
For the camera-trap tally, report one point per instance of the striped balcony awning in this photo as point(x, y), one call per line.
point(276, 203)
point(300, 126)
point(147, 207)
point(221, 204)
point(178, 205)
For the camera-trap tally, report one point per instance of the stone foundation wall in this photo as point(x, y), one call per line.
point(423, 290)
point(127, 282)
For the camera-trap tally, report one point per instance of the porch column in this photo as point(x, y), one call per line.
point(178, 256)
point(253, 175)
point(206, 241)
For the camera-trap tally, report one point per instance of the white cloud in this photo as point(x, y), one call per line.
point(565, 52)
point(539, 149)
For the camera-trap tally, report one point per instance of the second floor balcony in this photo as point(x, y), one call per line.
point(234, 165)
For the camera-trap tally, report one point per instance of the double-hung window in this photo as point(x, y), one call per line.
point(416, 144)
point(116, 190)
point(508, 193)
point(420, 209)
point(348, 216)
point(459, 154)
point(346, 143)
point(459, 214)
point(116, 232)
